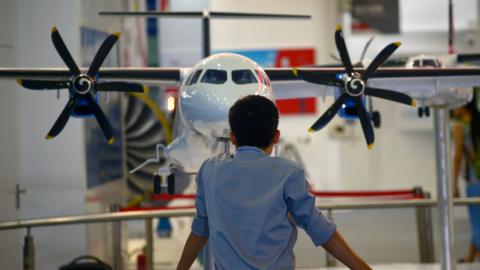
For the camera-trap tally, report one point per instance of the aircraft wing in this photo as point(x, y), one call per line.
point(434, 86)
point(162, 76)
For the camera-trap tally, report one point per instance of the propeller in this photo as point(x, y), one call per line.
point(365, 48)
point(82, 86)
point(359, 63)
point(353, 86)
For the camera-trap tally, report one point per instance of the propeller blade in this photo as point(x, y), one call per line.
point(380, 59)
point(120, 87)
point(365, 49)
point(334, 57)
point(102, 54)
point(63, 52)
point(390, 95)
point(342, 49)
point(43, 85)
point(313, 77)
point(63, 118)
point(101, 119)
point(365, 121)
point(329, 114)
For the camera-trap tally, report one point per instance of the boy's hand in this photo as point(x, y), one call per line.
point(342, 251)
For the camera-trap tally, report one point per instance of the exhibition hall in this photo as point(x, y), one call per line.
point(253, 134)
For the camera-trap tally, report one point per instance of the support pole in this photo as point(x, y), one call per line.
point(206, 34)
point(116, 239)
point(149, 242)
point(28, 252)
point(425, 230)
point(444, 192)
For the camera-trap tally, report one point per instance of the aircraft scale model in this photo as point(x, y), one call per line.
point(208, 89)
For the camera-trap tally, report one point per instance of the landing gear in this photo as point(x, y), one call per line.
point(171, 184)
point(158, 184)
point(376, 119)
point(423, 111)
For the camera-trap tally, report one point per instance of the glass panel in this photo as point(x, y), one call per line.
point(195, 77)
point(243, 76)
point(214, 76)
point(189, 78)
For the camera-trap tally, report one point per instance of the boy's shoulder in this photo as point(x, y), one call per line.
point(278, 165)
point(219, 158)
point(282, 164)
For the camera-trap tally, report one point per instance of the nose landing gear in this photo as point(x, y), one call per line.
point(423, 111)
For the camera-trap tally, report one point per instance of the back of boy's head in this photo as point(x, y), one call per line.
point(253, 120)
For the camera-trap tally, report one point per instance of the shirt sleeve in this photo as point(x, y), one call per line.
point(301, 205)
point(200, 221)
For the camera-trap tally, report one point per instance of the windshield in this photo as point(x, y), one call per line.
point(243, 76)
point(214, 76)
point(195, 77)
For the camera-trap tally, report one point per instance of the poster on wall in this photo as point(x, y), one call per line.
point(104, 161)
point(286, 58)
point(381, 15)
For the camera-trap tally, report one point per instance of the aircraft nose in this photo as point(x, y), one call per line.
point(207, 111)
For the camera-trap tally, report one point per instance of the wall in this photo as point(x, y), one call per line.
point(425, 32)
point(180, 39)
point(10, 253)
point(53, 172)
point(266, 33)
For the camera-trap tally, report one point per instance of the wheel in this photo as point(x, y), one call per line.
point(427, 111)
point(376, 118)
point(171, 184)
point(420, 112)
point(157, 184)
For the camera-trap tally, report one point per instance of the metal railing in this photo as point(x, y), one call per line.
point(424, 226)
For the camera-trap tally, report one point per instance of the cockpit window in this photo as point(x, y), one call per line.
point(195, 77)
point(189, 78)
point(214, 76)
point(243, 76)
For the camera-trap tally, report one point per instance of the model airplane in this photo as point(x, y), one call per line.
point(208, 89)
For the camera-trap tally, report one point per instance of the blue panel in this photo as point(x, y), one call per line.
point(264, 58)
point(152, 23)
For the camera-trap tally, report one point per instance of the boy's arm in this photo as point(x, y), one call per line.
point(323, 232)
point(339, 248)
point(192, 248)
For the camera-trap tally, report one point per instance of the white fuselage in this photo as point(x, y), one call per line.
point(206, 94)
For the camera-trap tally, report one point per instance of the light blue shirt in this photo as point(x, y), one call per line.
point(243, 205)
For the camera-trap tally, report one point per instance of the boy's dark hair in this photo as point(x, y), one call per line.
point(254, 120)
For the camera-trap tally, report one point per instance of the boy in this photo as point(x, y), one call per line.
point(248, 205)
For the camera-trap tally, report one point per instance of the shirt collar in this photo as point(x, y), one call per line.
point(249, 149)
